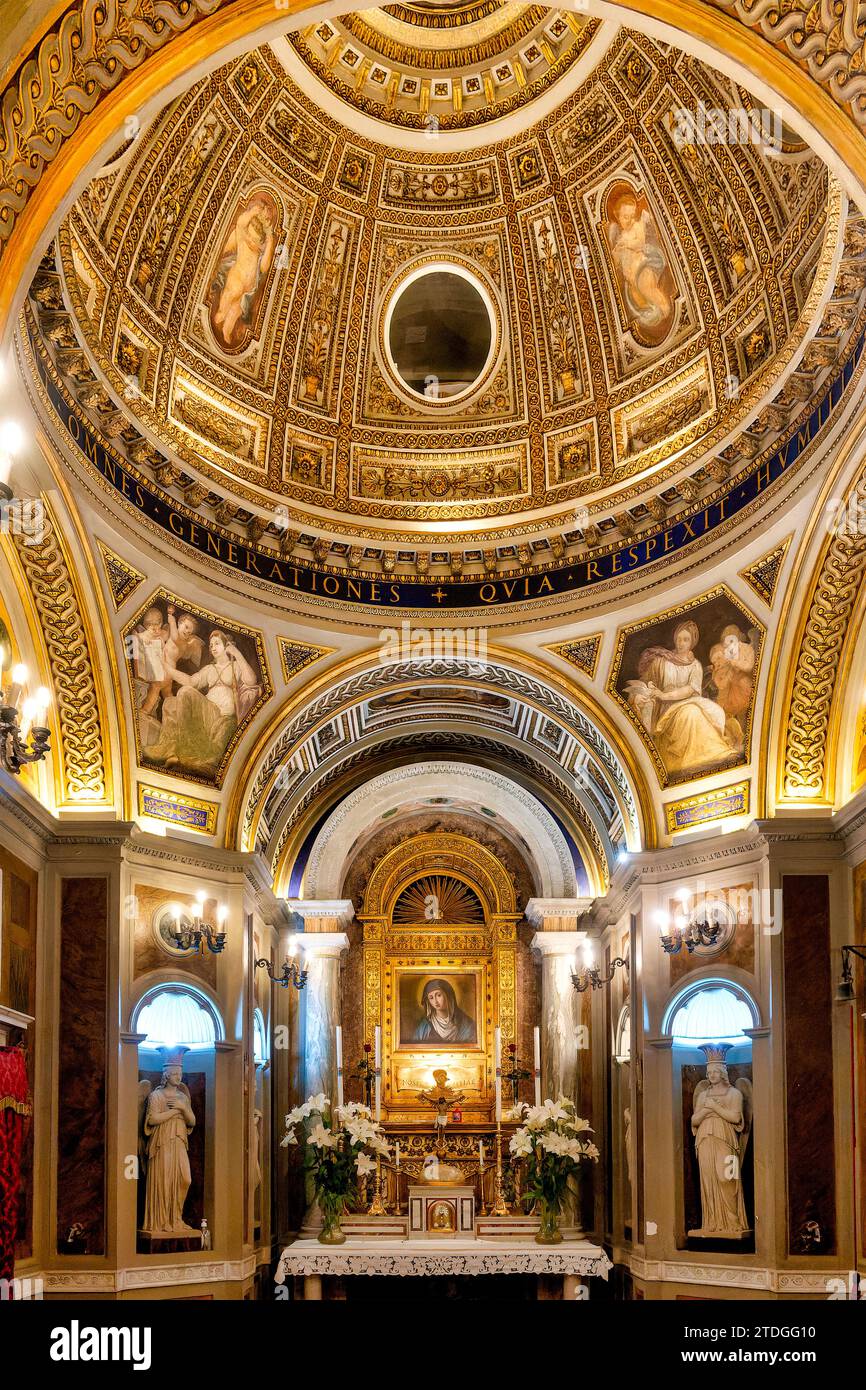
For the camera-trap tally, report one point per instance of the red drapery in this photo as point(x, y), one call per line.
point(14, 1109)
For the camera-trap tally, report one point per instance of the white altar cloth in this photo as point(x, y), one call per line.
point(422, 1256)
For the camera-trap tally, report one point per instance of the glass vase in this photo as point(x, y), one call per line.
point(332, 1209)
point(548, 1232)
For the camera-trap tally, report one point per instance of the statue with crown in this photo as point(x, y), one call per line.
point(721, 1124)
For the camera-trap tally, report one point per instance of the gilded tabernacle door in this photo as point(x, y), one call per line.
point(439, 919)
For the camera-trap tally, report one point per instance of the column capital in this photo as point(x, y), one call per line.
point(323, 915)
point(557, 914)
point(324, 943)
point(558, 943)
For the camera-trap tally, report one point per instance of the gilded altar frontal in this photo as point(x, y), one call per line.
point(432, 674)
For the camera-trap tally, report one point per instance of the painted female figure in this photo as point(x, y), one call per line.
point(199, 721)
point(688, 729)
point(646, 284)
point(443, 1020)
point(245, 259)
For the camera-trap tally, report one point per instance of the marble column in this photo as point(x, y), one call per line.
point(560, 1014)
point(323, 944)
point(557, 940)
point(557, 943)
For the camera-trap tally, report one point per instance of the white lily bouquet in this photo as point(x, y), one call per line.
point(340, 1144)
point(553, 1142)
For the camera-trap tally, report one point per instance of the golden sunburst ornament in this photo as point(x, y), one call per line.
point(438, 898)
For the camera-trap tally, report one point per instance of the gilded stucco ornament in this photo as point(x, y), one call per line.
point(81, 752)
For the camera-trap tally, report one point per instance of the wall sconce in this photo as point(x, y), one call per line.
point(845, 987)
point(201, 933)
point(22, 739)
point(590, 975)
point(685, 930)
point(293, 974)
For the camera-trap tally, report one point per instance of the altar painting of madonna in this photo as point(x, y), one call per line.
point(437, 1009)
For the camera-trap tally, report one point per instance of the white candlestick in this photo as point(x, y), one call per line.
point(497, 1062)
point(536, 1047)
point(397, 1154)
point(378, 1063)
point(339, 1033)
point(480, 1153)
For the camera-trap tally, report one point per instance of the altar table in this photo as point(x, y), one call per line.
point(572, 1260)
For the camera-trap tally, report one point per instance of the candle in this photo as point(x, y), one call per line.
point(481, 1153)
point(663, 922)
point(28, 714)
point(536, 1050)
point(397, 1154)
point(339, 1037)
point(497, 1062)
point(377, 1053)
point(19, 680)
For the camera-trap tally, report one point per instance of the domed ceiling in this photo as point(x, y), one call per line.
point(444, 65)
point(253, 280)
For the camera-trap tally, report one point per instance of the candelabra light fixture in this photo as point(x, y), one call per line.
point(590, 975)
point(685, 928)
point(845, 987)
point(293, 973)
point(200, 933)
point(23, 733)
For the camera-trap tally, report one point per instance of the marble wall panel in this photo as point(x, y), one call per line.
point(809, 1064)
point(81, 1121)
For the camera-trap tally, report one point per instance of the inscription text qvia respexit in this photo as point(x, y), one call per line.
point(209, 540)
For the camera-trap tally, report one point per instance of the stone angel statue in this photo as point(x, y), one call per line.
point(721, 1124)
point(166, 1121)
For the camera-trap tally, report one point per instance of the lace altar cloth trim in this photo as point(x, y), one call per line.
point(315, 1259)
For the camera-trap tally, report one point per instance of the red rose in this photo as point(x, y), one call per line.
point(368, 1047)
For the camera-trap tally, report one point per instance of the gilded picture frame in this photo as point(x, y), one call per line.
point(640, 656)
point(149, 660)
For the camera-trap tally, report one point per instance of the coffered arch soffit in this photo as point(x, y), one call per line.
point(445, 783)
point(512, 700)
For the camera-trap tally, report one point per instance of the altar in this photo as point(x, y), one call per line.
point(574, 1261)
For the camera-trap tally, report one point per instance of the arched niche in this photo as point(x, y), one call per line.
point(711, 1019)
point(177, 1021)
